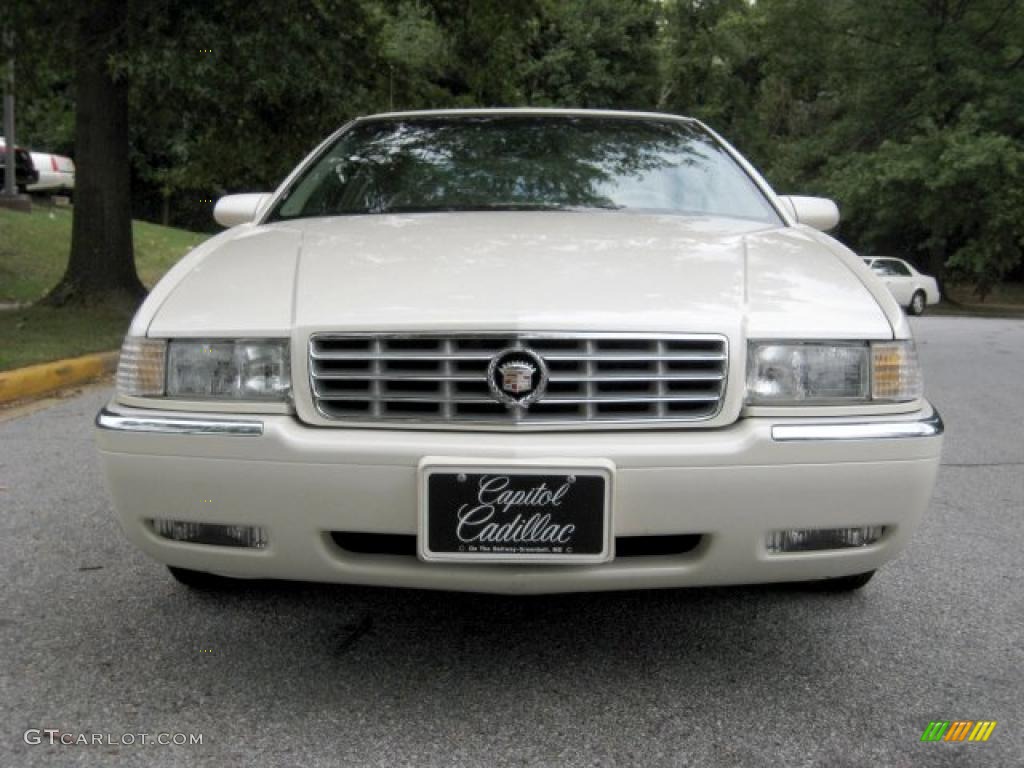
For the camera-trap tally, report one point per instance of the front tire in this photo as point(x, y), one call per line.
point(842, 583)
point(201, 580)
point(917, 303)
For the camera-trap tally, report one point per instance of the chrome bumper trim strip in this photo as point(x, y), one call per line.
point(883, 430)
point(176, 425)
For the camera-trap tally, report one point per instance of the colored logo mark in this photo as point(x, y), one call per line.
point(958, 730)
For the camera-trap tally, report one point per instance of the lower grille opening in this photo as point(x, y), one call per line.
point(653, 546)
point(375, 543)
point(405, 544)
point(215, 534)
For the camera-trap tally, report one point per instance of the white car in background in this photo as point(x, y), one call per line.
point(56, 173)
point(909, 287)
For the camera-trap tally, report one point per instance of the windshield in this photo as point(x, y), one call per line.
point(524, 163)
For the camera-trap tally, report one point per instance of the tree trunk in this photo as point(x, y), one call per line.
point(936, 267)
point(101, 267)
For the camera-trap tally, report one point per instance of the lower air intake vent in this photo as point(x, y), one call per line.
point(405, 544)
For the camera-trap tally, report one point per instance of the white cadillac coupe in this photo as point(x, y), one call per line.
point(521, 351)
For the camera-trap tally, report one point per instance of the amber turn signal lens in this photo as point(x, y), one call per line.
point(895, 373)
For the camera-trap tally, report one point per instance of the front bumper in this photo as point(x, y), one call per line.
point(730, 486)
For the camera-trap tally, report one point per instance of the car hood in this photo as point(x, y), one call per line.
point(601, 271)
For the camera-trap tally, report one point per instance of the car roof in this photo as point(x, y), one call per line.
point(527, 111)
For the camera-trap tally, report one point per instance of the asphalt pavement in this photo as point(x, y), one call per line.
point(97, 640)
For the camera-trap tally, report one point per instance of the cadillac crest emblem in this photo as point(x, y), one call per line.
point(517, 377)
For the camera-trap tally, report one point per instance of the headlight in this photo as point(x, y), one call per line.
point(243, 369)
point(836, 373)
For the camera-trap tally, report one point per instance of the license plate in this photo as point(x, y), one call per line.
point(515, 514)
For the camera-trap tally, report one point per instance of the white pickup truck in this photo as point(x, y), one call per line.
point(56, 173)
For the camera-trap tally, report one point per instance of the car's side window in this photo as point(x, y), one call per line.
point(899, 268)
point(882, 268)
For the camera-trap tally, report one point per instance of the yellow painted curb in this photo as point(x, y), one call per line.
point(47, 377)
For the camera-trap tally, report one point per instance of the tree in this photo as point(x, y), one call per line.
point(907, 113)
point(711, 60)
point(592, 53)
point(929, 140)
point(417, 53)
point(101, 266)
point(246, 100)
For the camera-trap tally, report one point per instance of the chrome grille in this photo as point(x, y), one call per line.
point(442, 378)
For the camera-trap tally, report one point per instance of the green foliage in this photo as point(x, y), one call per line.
point(592, 53)
point(45, 108)
point(417, 52)
point(956, 191)
point(238, 101)
point(711, 60)
point(908, 113)
point(33, 255)
point(39, 334)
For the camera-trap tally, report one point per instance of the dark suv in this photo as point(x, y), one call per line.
point(25, 169)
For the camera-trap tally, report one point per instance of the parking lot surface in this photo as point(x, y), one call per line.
point(97, 640)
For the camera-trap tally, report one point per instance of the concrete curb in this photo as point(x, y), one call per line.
point(40, 379)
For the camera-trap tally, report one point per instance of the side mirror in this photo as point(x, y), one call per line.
point(818, 212)
point(232, 210)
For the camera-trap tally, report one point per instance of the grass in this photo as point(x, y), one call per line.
point(33, 253)
point(1002, 295)
point(977, 310)
point(39, 334)
point(1005, 300)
